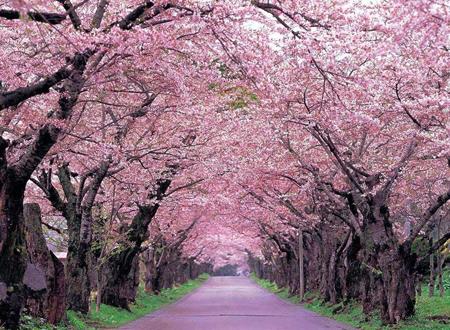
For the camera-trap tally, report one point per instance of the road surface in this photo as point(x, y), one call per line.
point(233, 303)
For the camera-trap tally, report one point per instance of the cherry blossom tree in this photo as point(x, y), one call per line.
point(309, 138)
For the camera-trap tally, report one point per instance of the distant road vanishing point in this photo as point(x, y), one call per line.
point(233, 303)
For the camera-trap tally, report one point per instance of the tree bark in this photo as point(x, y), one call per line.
point(120, 278)
point(300, 265)
point(147, 257)
point(432, 276)
point(398, 285)
point(118, 269)
point(13, 252)
point(440, 266)
point(49, 302)
point(78, 258)
point(389, 261)
point(77, 270)
point(78, 212)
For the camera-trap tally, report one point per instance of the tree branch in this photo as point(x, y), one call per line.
point(13, 98)
point(70, 9)
point(27, 163)
point(50, 191)
point(129, 20)
point(66, 183)
point(99, 14)
point(75, 68)
point(59, 231)
point(49, 18)
point(395, 173)
point(436, 246)
point(440, 201)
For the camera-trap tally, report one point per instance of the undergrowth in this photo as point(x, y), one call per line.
point(432, 313)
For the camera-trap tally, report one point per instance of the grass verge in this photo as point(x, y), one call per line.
point(111, 317)
point(431, 312)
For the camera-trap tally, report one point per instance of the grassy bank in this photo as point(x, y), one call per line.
point(430, 312)
point(110, 317)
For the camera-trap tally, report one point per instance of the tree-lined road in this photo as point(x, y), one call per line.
point(233, 303)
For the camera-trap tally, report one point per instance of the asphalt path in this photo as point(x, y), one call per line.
point(233, 303)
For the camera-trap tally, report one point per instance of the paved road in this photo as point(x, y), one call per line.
point(232, 303)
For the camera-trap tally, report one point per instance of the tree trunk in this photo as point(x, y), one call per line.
point(300, 266)
point(78, 213)
point(77, 268)
point(148, 269)
point(98, 299)
point(353, 269)
point(389, 261)
point(431, 282)
point(49, 302)
point(440, 266)
point(13, 252)
point(398, 285)
point(120, 268)
point(331, 281)
point(419, 285)
point(156, 279)
point(120, 278)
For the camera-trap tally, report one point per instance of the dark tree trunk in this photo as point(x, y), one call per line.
point(431, 283)
point(13, 251)
point(389, 262)
point(49, 303)
point(120, 279)
point(398, 297)
point(119, 268)
point(147, 257)
point(153, 274)
point(78, 257)
point(301, 272)
point(79, 218)
point(156, 282)
point(77, 273)
point(441, 261)
point(57, 309)
point(331, 280)
point(155, 277)
point(78, 267)
point(77, 210)
point(353, 270)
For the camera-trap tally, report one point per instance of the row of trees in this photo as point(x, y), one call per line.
point(221, 127)
point(327, 260)
point(159, 265)
point(98, 126)
point(360, 178)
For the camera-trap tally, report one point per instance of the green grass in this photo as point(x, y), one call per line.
point(111, 317)
point(77, 321)
point(426, 309)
